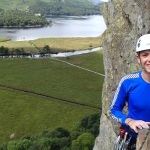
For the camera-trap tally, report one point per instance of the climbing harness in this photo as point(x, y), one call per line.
point(122, 141)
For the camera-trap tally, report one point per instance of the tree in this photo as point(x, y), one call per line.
point(17, 52)
point(89, 124)
point(63, 142)
point(22, 52)
point(42, 143)
point(74, 135)
point(84, 142)
point(22, 144)
point(4, 51)
point(59, 133)
point(21, 19)
point(12, 145)
point(46, 49)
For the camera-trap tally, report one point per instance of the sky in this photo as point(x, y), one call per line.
point(105, 0)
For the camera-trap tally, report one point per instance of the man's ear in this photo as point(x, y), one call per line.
point(138, 58)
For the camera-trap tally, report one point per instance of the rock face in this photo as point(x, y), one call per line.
point(143, 140)
point(126, 21)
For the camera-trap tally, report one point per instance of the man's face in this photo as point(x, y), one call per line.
point(144, 59)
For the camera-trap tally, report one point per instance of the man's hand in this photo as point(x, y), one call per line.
point(137, 125)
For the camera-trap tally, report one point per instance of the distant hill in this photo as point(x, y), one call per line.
point(33, 12)
point(24, 4)
point(52, 7)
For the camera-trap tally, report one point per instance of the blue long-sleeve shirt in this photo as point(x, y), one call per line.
point(136, 91)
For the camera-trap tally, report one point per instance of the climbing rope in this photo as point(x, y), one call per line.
point(144, 139)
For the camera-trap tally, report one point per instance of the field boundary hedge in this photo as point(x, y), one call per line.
point(47, 96)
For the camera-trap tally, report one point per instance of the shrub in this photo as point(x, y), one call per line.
point(84, 142)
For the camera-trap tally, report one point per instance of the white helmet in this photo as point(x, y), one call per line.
point(143, 43)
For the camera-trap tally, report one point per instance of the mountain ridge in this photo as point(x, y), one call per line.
point(24, 4)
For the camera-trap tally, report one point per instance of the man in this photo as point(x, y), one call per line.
point(134, 89)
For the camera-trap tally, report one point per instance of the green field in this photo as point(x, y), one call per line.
point(19, 45)
point(68, 44)
point(53, 78)
point(24, 82)
point(3, 39)
point(56, 44)
point(27, 114)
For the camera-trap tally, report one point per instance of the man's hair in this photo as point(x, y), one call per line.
point(138, 53)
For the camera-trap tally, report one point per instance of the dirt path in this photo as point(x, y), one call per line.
point(79, 67)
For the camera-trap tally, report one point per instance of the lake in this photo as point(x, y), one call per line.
point(62, 26)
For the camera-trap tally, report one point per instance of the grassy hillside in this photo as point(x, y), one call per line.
point(68, 44)
point(24, 82)
point(24, 4)
point(27, 46)
point(3, 39)
point(24, 113)
point(53, 78)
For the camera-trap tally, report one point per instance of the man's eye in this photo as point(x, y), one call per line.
point(144, 55)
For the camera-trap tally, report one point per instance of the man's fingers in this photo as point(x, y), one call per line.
point(136, 131)
point(145, 125)
point(139, 125)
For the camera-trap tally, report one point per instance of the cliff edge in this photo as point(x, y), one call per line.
point(126, 21)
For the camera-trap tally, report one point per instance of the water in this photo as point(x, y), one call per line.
point(63, 26)
point(66, 54)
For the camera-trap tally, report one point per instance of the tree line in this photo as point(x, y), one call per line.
point(82, 137)
point(4, 51)
point(56, 8)
point(21, 19)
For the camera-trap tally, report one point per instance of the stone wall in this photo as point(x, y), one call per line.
point(126, 21)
